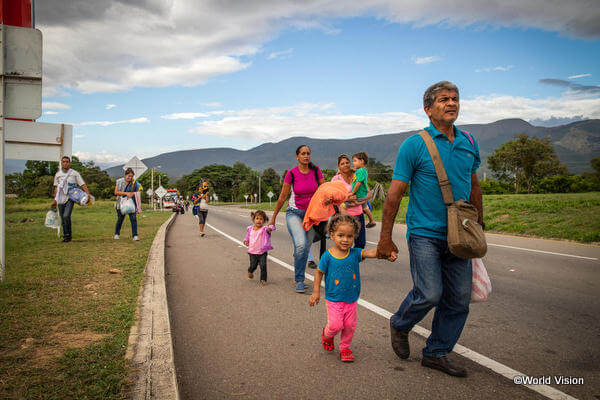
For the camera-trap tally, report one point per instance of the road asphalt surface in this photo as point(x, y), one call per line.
point(234, 338)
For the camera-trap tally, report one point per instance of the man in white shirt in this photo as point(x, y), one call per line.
point(65, 204)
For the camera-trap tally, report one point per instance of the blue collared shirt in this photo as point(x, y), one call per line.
point(426, 214)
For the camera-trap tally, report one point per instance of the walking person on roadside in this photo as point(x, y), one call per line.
point(340, 267)
point(302, 181)
point(354, 208)
point(258, 240)
point(441, 280)
point(64, 179)
point(200, 200)
point(126, 187)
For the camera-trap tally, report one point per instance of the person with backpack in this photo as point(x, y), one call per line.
point(64, 180)
point(302, 181)
point(441, 279)
point(125, 188)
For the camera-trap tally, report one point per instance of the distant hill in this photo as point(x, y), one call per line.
point(576, 144)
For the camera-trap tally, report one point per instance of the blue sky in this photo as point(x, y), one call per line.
point(277, 70)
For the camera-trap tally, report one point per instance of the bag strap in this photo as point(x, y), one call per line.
point(440, 171)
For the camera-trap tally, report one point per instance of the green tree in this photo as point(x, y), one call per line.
point(379, 171)
point(15, 184)
point(595, 163)
point(525, 160)
point(271, 181)
point(146, 181)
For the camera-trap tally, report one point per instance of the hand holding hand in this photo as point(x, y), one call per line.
point(245, 243)
point(53, 205)
point(386, 249)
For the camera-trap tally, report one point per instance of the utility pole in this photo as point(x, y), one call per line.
point(152, 180)
point(259, 187)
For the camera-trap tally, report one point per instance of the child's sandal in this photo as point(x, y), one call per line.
point(327, 342)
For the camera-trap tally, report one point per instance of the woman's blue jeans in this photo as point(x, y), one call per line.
point(440, 280)
point(301, 239)
point(361, 240)
point(132, 219)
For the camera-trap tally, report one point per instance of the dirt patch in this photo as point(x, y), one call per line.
point(61, 341)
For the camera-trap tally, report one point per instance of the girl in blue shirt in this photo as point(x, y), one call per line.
point(340, 267)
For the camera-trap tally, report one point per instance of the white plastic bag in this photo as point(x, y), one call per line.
point(127, 206)
point(203, 205)
point(482, 286)
point(53, 221)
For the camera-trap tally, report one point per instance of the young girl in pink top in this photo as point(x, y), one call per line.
point(258, 240)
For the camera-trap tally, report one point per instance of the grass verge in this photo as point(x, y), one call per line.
point(66, 319)
point(570, 216)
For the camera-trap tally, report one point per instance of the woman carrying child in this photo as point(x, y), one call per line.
point(346, 175)
point(340, 266)
point(258, 240)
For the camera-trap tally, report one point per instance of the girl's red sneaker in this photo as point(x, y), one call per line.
point(327, 342)
point(346, 355)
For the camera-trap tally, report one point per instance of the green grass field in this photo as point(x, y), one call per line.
point(66, 319)
point(570, 216)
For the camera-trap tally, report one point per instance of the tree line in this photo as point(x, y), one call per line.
point(522, 165)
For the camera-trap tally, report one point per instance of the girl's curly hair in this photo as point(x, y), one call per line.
point(259, 213)
point(340, 219)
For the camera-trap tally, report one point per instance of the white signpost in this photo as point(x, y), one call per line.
point(136, 165)
point(149, 192)
point(160, 192)
point(270, 196)
point(255, 198)
point(246, 197)
point(21, 98)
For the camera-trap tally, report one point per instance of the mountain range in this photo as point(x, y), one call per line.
point(575, 144)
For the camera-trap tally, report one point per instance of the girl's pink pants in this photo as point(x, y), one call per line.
point(341, 317)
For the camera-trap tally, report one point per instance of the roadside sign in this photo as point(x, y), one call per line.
point(246, 196)
point(149, 192)
point(270, 194)
point(22, 72)
point(160, 192)
point(136, 165)
point(25, 140)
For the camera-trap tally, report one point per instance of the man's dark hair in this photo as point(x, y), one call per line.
point(129, 171)
point(67, 157)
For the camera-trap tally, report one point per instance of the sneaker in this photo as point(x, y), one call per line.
point(264, 283)
point(66, 239)
point(202, 234)
point(311, 264)
point(116, 237)
point(327, 342)
point(250, 275)
point(136, 238)
point(370, 224)
point(305, 285)
point(301, 287)
point(346, 355)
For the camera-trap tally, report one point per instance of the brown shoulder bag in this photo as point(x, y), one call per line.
point(465, 236)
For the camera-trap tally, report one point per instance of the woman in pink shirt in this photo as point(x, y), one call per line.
point(345, 175)
point(302, 181)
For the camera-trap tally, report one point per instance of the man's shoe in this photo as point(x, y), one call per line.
point(66, 239)
point(250, 275)
point(136, 238)
point(370, 225)
point(444, 364)
point(300, 288)
point(400, 343)
point(116, 237)
point(311, 264)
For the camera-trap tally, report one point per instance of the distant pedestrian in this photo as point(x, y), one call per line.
point(441, 280)
point(258, 240)
point(302, 181)
point(64, 180)
point(125, 188)
point(200, 200)
point(340, 267)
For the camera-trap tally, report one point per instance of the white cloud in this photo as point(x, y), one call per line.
point(489, 108)
point(103, 157)
point(579, 76)
point(110, 106)
point(108, 123)
point(79, 136)
point(496, 68)
point(426, 60)
point(188, 115)
point(110, 46)
point(51, 112)
point(55, 106)
point(305, 119)
point(281, 54)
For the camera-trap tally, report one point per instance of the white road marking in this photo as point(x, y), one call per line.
point(541, 251)
point(507, 372)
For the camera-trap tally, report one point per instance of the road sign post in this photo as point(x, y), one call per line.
point(160, 192)
point(246, 197)
point(270, 196)
point(136, 165)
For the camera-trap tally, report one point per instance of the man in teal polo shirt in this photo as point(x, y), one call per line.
point(440, 279)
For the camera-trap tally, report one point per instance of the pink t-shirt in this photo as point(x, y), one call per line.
point(354, 210)
point(255, 245)
point(304, 186)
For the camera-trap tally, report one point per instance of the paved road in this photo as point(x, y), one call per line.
point(234, 338)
